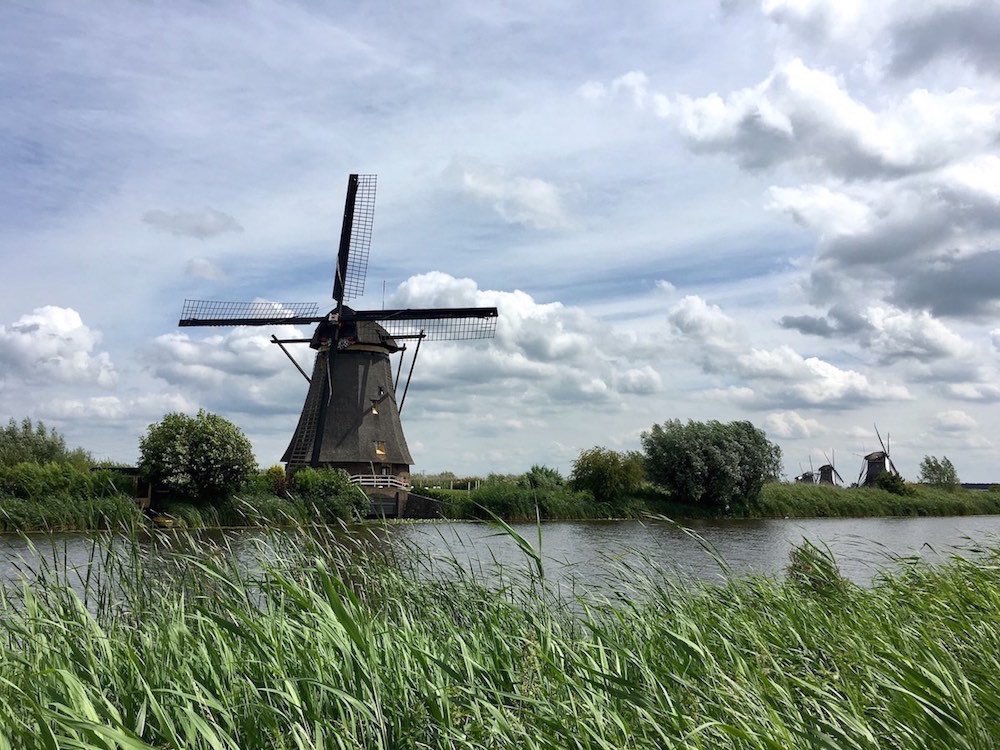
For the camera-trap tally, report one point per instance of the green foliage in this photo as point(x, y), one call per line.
point(611, 477)
point(890, 481)
point(331, 493)
point(61, 497)
point(333, 645)
point(205, 458)
point(710, 463)
point(804, 501)
point(35, 443)
point(938, 473)
point(541, 477)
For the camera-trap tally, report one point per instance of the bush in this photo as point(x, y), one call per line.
point(331, 493)
point(541, 477)
point(938, 473)
point(204, 458)
point(892, 482)
point(710, 463)
point(609, 476)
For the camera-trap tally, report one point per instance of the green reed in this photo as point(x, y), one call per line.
point(318, 642)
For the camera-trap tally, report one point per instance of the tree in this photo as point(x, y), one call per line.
point(204, 458)
point(938, 473)
point(36, 443)
point(710, 463)
point(608, 475)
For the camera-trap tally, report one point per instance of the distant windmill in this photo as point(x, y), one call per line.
point(876, 463)
point(828, 473)
point(806, 477)
point(350, 418)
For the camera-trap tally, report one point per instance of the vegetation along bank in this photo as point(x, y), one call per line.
point(207, 476)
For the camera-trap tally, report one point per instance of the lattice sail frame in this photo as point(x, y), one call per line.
point(207, 311)
point(361, 237)
point(443, 329)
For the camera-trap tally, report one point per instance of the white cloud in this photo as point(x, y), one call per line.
point(203, 268)
point(896, 334)
point(781, 375)
point(802, 114)
point(952, 421)
point(790, 424)
point(114, 409)
point(530, 201)
point(554, 351)
point(52, 343)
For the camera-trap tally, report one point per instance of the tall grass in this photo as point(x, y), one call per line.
point(321, 646)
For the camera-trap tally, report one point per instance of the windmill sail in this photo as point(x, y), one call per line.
point(199, 312)
point(355, 238)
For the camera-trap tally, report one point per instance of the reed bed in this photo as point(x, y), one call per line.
point(316, 643)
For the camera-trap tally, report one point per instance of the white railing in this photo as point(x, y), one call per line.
point(379, 481)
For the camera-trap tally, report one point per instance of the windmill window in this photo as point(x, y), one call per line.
point(380, 447)
point(374, 406)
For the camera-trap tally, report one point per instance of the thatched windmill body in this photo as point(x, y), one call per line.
point(350, 418)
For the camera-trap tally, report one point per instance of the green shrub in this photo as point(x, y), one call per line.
point(204, 458)
point(892, 482)
point(609, 476)
point(541, 477)
point(331, 493)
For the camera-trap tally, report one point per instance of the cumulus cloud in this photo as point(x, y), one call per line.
point(964, 30)
point(982, 392)
point(890, 333)
point(52, 343)
point(529, 201)
point(115, 409)
point(201, 224)
point(953, 421)
point(790, 424)
point(542, 351)
point(781, 376)
point(801, 114)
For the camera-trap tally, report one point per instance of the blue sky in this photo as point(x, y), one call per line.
point(785, 211)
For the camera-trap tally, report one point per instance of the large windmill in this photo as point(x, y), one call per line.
point(350, 418)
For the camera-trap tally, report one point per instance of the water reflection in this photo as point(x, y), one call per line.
point(583, 556)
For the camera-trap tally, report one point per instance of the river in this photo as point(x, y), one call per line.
point(588, 552)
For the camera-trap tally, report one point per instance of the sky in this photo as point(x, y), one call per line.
point(784, 211)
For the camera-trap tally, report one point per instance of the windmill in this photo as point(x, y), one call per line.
point(828, 473)
point(350, 417)
point(876, 463)
point(806, 477)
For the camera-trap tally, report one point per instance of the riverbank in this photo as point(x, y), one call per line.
point(776, 500)
point(66, 500)
point(328, 648)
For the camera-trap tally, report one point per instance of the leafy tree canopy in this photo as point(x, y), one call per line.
point(608, 475)
point(711, 463)
point(939, 473)
point(202, 458)
point(28, 442)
